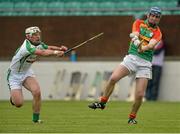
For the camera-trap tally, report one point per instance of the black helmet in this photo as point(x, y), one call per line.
point(155, 11)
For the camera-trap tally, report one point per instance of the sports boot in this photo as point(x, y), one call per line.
point(38, 121)
point(132, 121)
point(95, 105)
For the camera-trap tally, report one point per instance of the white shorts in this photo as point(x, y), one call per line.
point(138, 66)
point(16, 79)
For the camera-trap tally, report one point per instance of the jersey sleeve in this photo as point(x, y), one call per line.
point(44, 46)
point(30, 48)
point(136, 26)
point(157, 35)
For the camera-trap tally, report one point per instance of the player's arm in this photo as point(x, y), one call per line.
point(48, 52)
point(152, 43)
point(135, 33)
point(51, 50)
point(150, 46)
point(62, 48)
point(135, 29)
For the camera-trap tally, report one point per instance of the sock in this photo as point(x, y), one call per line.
point(35, 117)
point(104, 99)
point(132, 116)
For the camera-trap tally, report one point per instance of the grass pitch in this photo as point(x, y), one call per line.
point(76, 117)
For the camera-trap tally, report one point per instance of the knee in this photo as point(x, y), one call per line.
point(16, 101)
point(140, 94)
point(18, 104)
point(112, 81)
point(36, 92)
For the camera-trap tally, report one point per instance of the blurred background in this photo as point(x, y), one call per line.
point(82, 74)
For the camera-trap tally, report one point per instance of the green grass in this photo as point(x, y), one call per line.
point(76, 117)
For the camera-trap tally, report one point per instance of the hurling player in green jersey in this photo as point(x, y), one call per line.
point(145, 35)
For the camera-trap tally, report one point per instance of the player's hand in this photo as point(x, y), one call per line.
point(63, 48)
point(135, 39)
point(132, 35)
point(58, 53)
point(142, 48)
point(137, 42)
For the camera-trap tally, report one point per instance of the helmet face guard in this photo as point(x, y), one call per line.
point(31, 30)
point(155, 11)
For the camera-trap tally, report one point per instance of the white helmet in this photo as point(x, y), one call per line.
point(32, 30)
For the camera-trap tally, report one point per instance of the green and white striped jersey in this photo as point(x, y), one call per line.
point(24, 56)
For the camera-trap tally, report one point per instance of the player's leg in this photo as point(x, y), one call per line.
point(156, 82)
point(32, 85)
point(141, 85)
point(16, 97)
point(148, 94)
point(15, 87)
point(120, 72)
point(150, 86)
